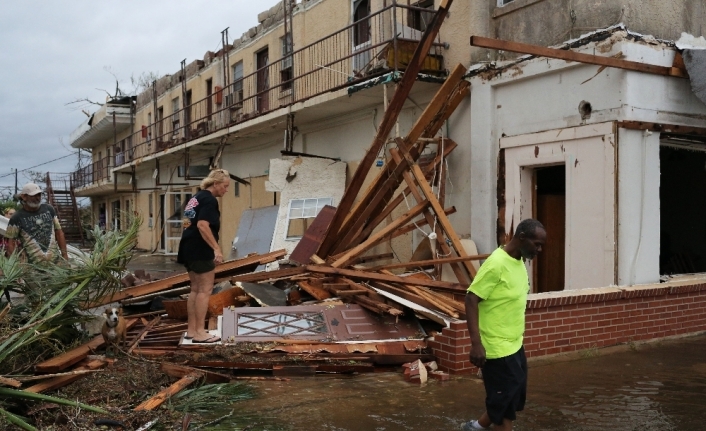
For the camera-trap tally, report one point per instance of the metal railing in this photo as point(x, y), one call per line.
point(94, 173)
point(381, 42)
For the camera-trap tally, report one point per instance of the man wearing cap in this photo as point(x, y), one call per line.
point(37, 228)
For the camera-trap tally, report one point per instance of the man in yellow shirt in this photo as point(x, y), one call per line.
point(495, 308)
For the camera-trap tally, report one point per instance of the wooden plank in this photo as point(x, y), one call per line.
point(5, 381)
point(317, 292)
point(374, 206)
point(565, 54)
point(67, 359)
point(392, 165)
point(141, 335)
point(313, 236)
point(396, 201)
point(269, 275)
point(428, 262)
point(61, 381)
point(429, 218)
point(165, 394)
point(412, 226)
point(379, 236)
point(374, 257)
point(443, 221)
point(179, 371)
point(434, 109)
point(182, 279)
point(388, 122)
point(444, 286)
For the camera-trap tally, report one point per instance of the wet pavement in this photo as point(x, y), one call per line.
point(157, 263)
point(658, 386)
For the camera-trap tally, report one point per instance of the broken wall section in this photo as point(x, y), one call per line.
point(305, 185)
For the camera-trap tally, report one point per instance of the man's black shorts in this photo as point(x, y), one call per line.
point(505, 381)
point(200, 266)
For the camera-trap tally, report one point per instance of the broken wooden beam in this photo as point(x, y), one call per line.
point(568, 55)
point(257, 277)
point(77, 354)
point(350, 255)
point(430, 262)
point(61, 381)
point(141, 335)
point(166, 393)
point(317, 292)
point(179, 371)
point(183, 279)
point(443, 286)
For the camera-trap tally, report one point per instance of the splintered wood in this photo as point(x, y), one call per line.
point(339, 268)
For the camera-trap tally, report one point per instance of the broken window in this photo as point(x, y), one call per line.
point(286, 71)
point(302, 213)
point(682, 213)
point(418, 19)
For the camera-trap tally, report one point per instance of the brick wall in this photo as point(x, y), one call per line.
point(568, 321)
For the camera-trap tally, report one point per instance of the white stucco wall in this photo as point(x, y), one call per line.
point(314, 178)
point(638, 210)
point(543, 95)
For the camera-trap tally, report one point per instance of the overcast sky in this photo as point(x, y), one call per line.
point(54, 52)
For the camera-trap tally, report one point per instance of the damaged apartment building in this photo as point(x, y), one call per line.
point(612, 159)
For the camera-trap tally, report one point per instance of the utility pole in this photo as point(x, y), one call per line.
point(16, 181)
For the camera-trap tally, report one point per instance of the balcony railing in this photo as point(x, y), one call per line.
point(381, 42)
point(94, 173)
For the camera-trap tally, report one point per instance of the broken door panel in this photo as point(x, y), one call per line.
point(317, 323)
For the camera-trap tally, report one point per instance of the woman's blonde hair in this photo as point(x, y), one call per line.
point(215, 176)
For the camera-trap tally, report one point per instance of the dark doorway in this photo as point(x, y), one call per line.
point(160, 222)
point(209, 98)
point(682, 211)
point(263, 81)
point(550, 209)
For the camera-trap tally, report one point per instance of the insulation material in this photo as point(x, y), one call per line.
point(302, 178)
point(695, 61)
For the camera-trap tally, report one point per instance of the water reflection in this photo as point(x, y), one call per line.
point(659, 387)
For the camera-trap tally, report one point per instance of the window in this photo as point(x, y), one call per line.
point(286, 73)
point(237, 96)
point(301, 213)
point(236, 189)
point(504, 2)
point(419, 20)
point(175, 115)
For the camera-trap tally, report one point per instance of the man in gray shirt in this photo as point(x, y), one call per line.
point(37, 228)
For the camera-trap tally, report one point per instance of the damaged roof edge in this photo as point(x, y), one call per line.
point(594, 36)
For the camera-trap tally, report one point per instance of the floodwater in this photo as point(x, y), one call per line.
point(652, 387)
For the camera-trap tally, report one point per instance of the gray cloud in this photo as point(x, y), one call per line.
point(54, 52)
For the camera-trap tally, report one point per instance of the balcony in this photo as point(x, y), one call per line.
point(112, 118)
point(97, 178)
point(382, 42)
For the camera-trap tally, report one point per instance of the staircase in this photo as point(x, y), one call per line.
point(60, 195)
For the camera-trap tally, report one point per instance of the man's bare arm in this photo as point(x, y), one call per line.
point(61, 240)
point(11, 246)
point(477, 355)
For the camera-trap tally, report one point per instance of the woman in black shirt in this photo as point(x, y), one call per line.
point(199, 251)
